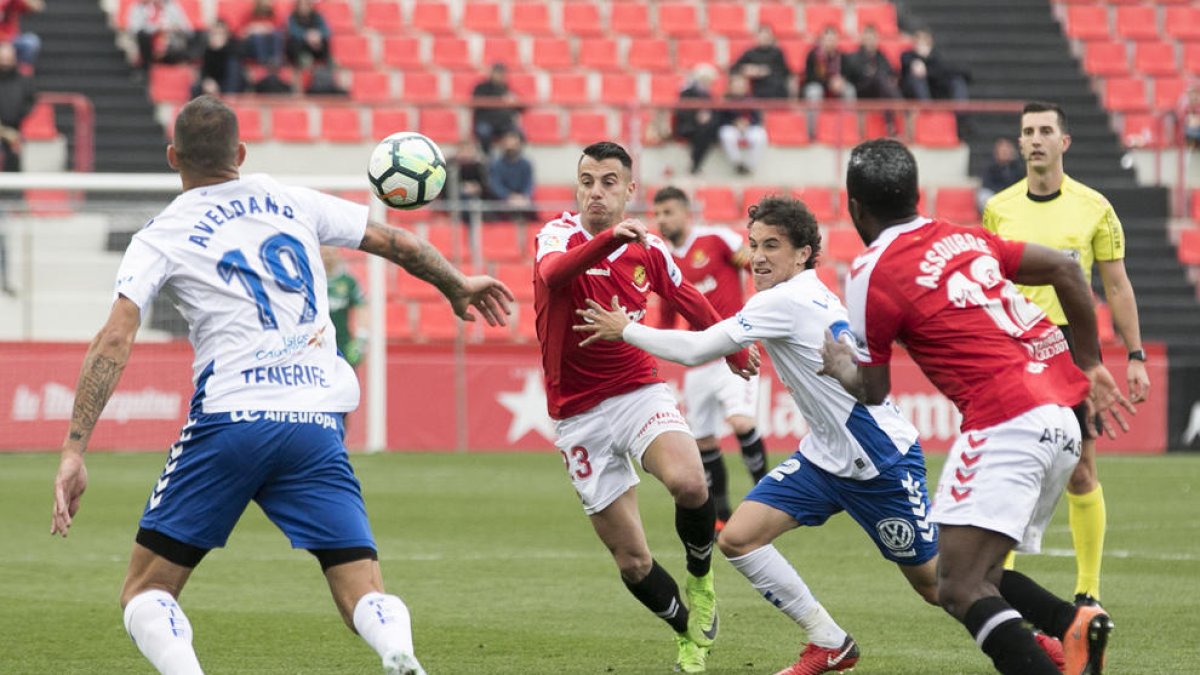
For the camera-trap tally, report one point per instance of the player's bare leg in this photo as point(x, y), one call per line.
point(1088, 518)
point(747, 542)
point(381, 619)
point(970, 570)
point(923, 579)
point(153, 617)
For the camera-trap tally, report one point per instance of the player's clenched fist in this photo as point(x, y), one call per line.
point(630, 229)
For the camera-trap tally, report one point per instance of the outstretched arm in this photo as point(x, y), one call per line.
point(420, 259)
point(558, 269)
point(102, 367)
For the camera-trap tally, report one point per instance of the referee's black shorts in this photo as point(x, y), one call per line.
point(1081, 409)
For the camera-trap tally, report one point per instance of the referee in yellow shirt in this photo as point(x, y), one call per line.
point(1051, 209)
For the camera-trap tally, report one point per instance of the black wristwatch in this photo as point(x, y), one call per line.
point(1138, 355)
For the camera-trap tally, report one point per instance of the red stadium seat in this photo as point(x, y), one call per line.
point(842, 244)
point(502, 242)
point(582, 19)
point(1106, 59)
point(837, 128)
point(398, 327)
point(1156, 58)
point(1125, 94)
point(233, 12)
point(497, 49)
point(1195, 210)
point(524, 85)
point(291, 123)
point(431, 16)
point(881, 15)
point(753, 194)
point(630, 18)
point(553, 54)
point(372, 87)
point(387, 121)
point(795, 52)
point(569, 88)
point(526, 327)
point(650, 54)
point(1168, 92)
point(1088, 22)
point(542, 127)
point(436, 322)
point(689, 53)
point(956, 204)
point(718, 203)
point(819, 201)
point(38, 125)
point(441, 125)
point(448, 238)
point(781, 17)
point(403, 53)
point(587, 127)
point(678, 19)
point(383, 16)
point(483, 17)
point(518, 277)
point(1182, 23)
point(462, 84)
point(875, 125)
point(619, 86)
point(421, 88)
point(1191, 57)
point(552, 200)
point(1137, 22)
point(829, 275)
point(665, 88)
point(1141, 130)
point(452, 52)
point(819, 16)
point(341, 125)
point(1189, 246)
point(727, 19)
point(786, 128)
point(250, 127)
point(531, 18)
point(339, 15)
point(171, 84)
point(935, 129)
point(352, 51)
point(598, 53)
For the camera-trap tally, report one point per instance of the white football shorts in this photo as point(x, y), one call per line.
point(1008, 478)
point(713, 394)
point(600, 446)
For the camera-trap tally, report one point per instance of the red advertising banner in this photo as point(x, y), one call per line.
point(488, 398)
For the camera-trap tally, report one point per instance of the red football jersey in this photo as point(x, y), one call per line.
point(571, 266)
point(944, 292)
point(707, 261)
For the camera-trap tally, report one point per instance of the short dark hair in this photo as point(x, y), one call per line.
point(1043, 106)
point(793, 217)
point(206, 136)
point(608, 150)
point(882, 178)
point(670, 192)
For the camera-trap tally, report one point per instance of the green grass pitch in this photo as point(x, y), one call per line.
point(504, 575)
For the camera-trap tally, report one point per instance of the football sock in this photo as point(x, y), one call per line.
point(383, 621)
point(998, 630)
point(695, 528)
point(1010, 561)
point(1047, 612)
point(660, 594)
point(718, 481)
point(1087, 516)
point(778, 582)
point(754, 454)
point(162, 633)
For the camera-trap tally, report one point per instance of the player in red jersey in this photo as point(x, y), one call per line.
point(946, 293)
point(611, 409)
point(712, 258)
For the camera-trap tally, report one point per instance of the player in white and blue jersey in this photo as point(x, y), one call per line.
point(242, 257)
point(864, 460)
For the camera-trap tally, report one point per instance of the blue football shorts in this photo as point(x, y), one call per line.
point(892, 508)
point(293, 464)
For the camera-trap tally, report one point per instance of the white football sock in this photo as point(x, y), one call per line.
point(781, 585)
point(383, 621)
point(161, 631)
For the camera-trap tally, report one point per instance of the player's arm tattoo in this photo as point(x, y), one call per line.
point(97, 381)
point(417, 256)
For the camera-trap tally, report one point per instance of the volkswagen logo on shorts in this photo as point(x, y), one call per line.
point(896, 533)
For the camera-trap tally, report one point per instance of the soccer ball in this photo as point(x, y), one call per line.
point(407, 170)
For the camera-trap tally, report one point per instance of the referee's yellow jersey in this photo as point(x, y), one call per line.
point(1077, 221)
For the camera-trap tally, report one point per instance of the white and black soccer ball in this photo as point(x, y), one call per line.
point(407, 170)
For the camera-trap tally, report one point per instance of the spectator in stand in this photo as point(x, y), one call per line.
point(697, 126)
point(220, 65)
point(262, 39)
point(16, 100)
point(469, 176)
point(1190, 104)
point(27, 44)
point(1006, 168)
point(307, 35)
point(741, 129)
point(490, 122)
point(925, 73)
point(510, 178)
point(824, 72)
point(872, 75)
point(766, 67)
point(162, 31)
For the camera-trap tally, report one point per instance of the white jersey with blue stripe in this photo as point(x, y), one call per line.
point(846, 438)
point(242, 261)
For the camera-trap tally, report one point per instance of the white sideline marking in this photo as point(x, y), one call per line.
point(1070, 553)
